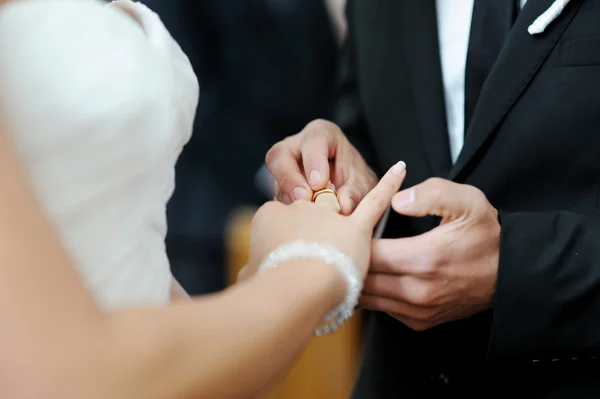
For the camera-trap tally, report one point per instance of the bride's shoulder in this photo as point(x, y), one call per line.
point(69, 34)
point(76, 35)
point(34, 22)
point(80, 43)
point(53, 12)
point(69, 48)
point(91, 61)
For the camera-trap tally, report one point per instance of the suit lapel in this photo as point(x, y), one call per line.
point(517, 64)
point(422, 56)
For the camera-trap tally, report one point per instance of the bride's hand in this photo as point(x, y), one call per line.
point(275, 224)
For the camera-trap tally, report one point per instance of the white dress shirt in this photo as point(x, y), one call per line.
point(337, 13)
point(454, 27)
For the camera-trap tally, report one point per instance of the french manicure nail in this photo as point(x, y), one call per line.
point(299, 193)
point(403, 199)
point(399, 168)
point(315, 178)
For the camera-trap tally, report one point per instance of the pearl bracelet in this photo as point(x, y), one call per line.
point(325, 253)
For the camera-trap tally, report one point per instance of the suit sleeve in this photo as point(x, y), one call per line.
point(547, 303)
point(349, 112)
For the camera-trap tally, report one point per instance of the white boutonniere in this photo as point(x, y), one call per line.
point(542, 22)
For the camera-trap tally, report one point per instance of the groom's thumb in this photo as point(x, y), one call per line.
point(437, 197)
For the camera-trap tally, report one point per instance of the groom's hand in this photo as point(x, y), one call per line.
point(319, 154)
point(446, 274)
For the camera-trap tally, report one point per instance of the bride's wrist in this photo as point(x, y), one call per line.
point(328, 258)
point(325, 280)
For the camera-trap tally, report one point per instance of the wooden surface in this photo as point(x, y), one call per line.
point(327, 368)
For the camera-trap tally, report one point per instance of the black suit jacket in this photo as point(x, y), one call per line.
point(533, 148)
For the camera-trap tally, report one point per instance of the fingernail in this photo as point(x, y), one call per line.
point(285, 198)
point(399, 168)
point(315, 178)
point(299, 193)
point(403, 199)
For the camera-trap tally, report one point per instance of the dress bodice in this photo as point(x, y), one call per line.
point(100, 106)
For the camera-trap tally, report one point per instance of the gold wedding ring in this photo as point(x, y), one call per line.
point(328, 198)
point(323, 191)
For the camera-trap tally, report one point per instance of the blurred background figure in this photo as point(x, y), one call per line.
point(266, 68)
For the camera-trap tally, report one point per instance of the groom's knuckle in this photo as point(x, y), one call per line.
point(321, 127)
point(314, 148)
point(422, 296)
point(435, 259)
point(433, 190)
point(280, 195)
point(478, 197)
point(274, 153)
point(435, 182)
point(318, 129)
point(311, 139)
point(286, 180)
point(428, 265)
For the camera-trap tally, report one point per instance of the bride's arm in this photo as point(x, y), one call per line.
point(46, 313)
point(55, 341)
point(232, 344)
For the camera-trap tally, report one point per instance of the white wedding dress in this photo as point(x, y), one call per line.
point(100, 106)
